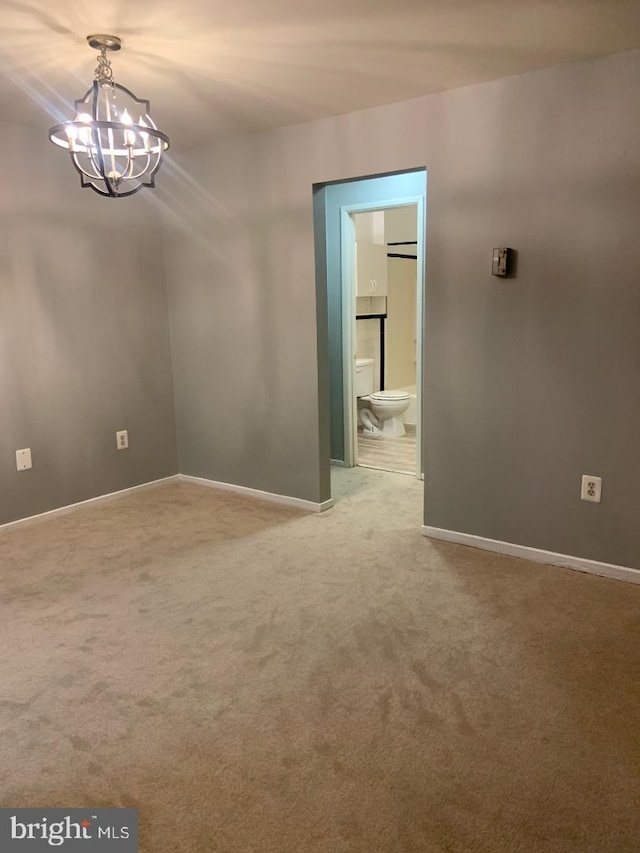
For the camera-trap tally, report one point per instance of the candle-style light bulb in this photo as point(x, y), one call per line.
point(85, 132)
point(72, 135)
point(129, 135)
point(144, 134)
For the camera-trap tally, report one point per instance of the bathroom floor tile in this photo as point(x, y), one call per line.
point(387, 453)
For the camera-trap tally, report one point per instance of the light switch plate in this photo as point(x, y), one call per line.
point(502, 261)
point(23, 459)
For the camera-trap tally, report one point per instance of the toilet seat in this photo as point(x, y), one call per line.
point(388, 396)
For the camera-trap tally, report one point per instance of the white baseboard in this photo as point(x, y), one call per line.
point(63, 510)
point(272, 497)
point(608, 570)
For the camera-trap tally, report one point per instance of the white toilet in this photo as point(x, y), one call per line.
point(387, 406)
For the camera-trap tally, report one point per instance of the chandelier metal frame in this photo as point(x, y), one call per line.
point(114, 156)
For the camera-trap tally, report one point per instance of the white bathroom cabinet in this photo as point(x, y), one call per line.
point(371, 269)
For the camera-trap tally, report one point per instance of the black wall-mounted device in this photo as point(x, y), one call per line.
point(502, 261)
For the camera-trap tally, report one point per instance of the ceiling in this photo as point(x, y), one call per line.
point(213, 68)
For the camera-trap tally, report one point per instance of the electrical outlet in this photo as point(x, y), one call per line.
point(122, 439)
point(591, 488)
point(23, 459)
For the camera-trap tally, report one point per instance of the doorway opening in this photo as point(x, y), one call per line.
point(348, 215)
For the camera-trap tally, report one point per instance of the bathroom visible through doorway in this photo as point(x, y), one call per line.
point(335, 206)
point(386, 338)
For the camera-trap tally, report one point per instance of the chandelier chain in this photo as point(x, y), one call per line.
point(104, 71)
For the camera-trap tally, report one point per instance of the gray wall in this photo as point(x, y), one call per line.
point(84, 344)
point(240, 270)
point(532, 382)
point(529, 382)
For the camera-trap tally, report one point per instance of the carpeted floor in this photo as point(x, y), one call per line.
point(255, 679)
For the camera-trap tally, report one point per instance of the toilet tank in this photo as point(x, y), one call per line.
point(363, 377)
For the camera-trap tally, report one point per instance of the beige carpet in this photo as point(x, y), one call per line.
point(257, 679)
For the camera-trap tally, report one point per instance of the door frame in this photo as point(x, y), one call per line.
point(348, 287)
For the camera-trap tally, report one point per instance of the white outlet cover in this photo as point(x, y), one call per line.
point(591, 489)
point(122, 439)
point(23, 459)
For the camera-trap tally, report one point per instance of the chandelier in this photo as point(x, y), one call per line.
point(113, 142)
